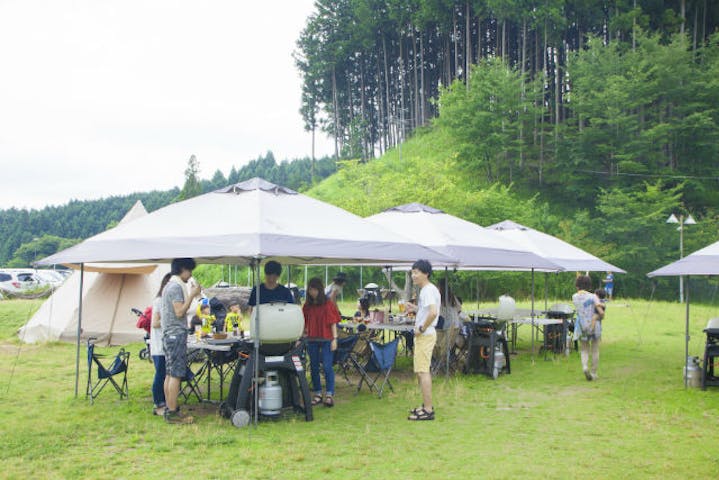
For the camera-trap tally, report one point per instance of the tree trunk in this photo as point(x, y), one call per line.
point(524, 93)
point(400, 117)
point(467, 43)
point(381, 132)
point(416, 115)
point(479, 40)
point(422, 112)
point(388, 110)
point(455, 40)
point(365, 139)
point(683, 15)
point(447, 61)
point(504, 38)
point(336, 114)
point(312, 165)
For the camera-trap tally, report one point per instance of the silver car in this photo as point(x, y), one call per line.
point(18, 280)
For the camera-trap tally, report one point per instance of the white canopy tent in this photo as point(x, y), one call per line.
point(472, 245)
point(559, 252)
point(701, 262)
point(250, 220)
point(243, 224)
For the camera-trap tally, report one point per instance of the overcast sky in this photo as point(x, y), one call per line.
point(110, 97)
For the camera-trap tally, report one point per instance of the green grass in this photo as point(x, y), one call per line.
point(543, 420)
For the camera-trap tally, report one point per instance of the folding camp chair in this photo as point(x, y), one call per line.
point(380, 362)
point(445, 351)
point(344, 356)
point(197, 370)
point(105, 375)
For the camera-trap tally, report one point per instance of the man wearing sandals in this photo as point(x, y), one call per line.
point(176, 302)
point(425, 336)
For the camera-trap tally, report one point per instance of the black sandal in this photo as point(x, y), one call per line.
point(416, 410)
point(421, 414)
point(329, 401)
point(316, 400)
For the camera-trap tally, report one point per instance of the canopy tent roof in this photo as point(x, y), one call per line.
point(249, 220)
point(551, 248)
point(472, 245)
point(701, 262)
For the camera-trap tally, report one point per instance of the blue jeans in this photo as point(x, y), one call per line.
point(320, 351)
point(158, 391)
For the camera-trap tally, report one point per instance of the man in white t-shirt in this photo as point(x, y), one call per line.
point(425, 336)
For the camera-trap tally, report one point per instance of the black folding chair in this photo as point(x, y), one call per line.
point(106, 375)
point(344, 356)
point(191, 384)
point(380, 363)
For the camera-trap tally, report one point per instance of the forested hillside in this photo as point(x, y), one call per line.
point(27, 235)
point(373, 69)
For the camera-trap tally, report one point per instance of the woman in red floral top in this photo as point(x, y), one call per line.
point(321, 317)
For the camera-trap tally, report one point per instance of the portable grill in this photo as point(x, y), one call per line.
point(280, 327)
point(488, 352)
point(555, 336)
point(711, 352)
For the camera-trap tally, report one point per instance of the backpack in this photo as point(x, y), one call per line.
point(144, 321)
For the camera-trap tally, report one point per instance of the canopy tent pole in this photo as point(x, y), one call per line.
point(686, 336)
point(79, 329)
point(532, 314)
point(389, 277)
point(305, 285)
point(546, 290)
point(256, 340)
point(447, 329)
point(361, 282)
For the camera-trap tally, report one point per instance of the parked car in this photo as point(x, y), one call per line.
point(50, 277)
point(18, 280)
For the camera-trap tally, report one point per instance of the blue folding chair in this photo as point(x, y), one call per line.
point(105, 375)
point(380, 364)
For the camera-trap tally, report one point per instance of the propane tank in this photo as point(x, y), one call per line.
point(499, 361)
point(693, 373)
point(271, 395)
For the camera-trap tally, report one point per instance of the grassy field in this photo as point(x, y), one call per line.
point(544, 420)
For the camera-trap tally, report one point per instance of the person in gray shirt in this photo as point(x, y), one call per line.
point(175, 303)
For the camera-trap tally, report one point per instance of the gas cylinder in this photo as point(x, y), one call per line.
point(271, 395)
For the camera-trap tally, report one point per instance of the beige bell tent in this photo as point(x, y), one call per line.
point(109, 292)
